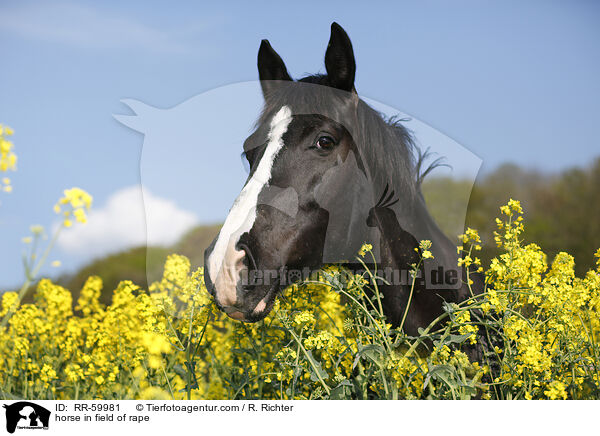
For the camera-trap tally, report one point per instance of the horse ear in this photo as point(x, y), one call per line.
point(339, 59)
point(270, 67)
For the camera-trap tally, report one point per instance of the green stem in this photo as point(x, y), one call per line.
point(310, 360)
point(412, 289)
point(30, 277)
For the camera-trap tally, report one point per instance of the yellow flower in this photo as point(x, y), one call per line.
point(76, 202)
point(6, 182)
point(556, 391)
point(154, 362)
point(321, 340)
point(366, 248)
point(155, 343)
point(155, 393)
point(140, 344)
point(305, 317)
point(80, 215)
point(425, 244)
point(89, 296)
point(8, 159)
point(5, 130)
point(470, 236)
point(36, 229)
point(10, 301)
point(47, 375)
point(463, 320)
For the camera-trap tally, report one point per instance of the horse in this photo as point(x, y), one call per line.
point(329, 173)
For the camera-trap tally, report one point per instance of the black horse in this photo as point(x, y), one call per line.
point(327, 174)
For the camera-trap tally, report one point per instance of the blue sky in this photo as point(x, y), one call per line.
point(510, 81)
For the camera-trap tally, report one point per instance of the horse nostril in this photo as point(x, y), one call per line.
point(247, 277)
point(248, 258)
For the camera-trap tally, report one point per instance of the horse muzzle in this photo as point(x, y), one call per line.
point(233, 286)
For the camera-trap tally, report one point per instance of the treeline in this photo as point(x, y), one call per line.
point(562, 211)
point(141, 265)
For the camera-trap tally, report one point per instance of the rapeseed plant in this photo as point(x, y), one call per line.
point(539, 325)
point(536, 329)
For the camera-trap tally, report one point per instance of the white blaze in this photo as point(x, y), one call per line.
point(224, 261)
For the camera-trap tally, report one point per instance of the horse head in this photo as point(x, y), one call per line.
point(307, 196)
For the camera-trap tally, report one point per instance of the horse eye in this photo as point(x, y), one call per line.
point(325, 142)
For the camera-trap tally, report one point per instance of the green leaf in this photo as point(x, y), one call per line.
point(316, 365)
point(454, 339)
point(373, 352)
point(437, 371)
point(341, 391)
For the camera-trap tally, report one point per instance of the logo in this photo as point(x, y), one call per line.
point(26, 415)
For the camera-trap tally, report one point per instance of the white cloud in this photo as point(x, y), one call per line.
point(79, 25)
point(122, 222)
